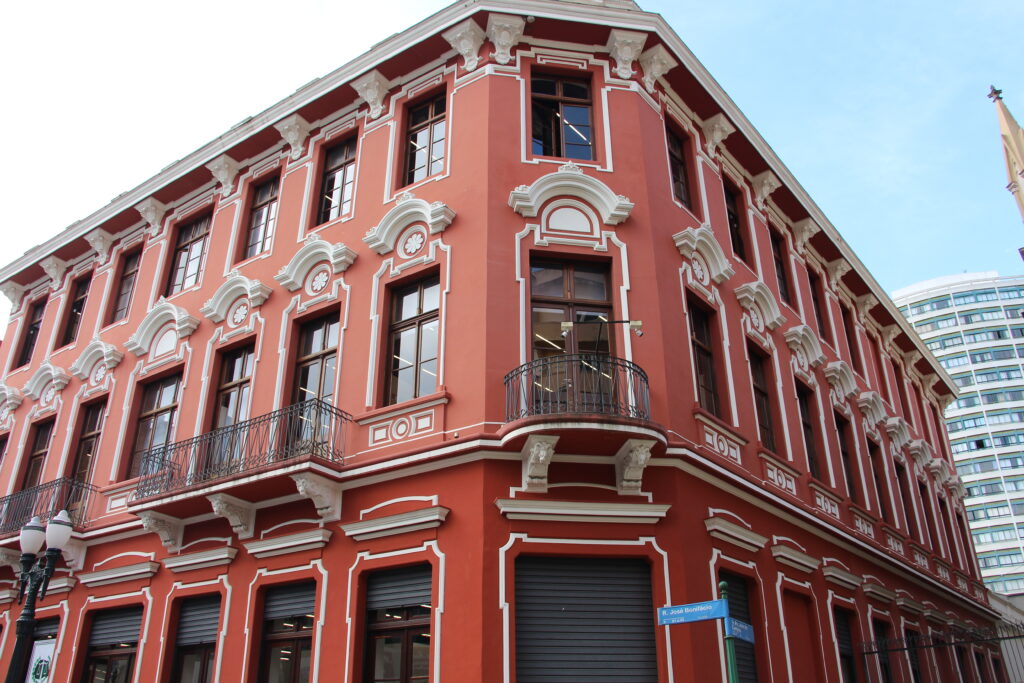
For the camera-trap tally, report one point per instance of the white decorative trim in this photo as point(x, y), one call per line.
point(569, 179)
point(240, 514)
point(792, 557)
point(152, 211)
point(96, 351)
point(9, 594)
point(899, 434)
point(863, 525)
point(756, 295)
point(836, 270)
point(129, 572)
point(407, 210)
point(910, 606)
point(874, 590)
point(804, 344)
point(325, 494)
point(537, 454)
point(373, 88)
point(716, 129)
point(625, 48)
point(200, 560)
point(100, 241)
point(941, 470)
point(803, 231)
point(161, 314)
point(60, 584)
point(780, 475)
point(733, 533)
point(54, 269)
point(11, 558)
point(872, 407)
point(656, 61)
point(764, 184)
point(864, 304)
point(235, 286)
point(701, 241)
point(169, 529)
point(315, 250)
point(840, 376)
point(10, 399)
point(920, 451)
point(224, 169)
point(630, 461)
point(504, 31)
point(401, 523)
point(73, 553)
point(576, 511)
point(720, 441)
point(46, 375)
point(293, 130)
point(292, 543)
point(14, 293)
point(466, 37)
point(841, 577)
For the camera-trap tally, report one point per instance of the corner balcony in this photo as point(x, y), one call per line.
point(251, 459)
point(45, 501)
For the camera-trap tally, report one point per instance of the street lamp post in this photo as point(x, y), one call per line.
point(35, 576)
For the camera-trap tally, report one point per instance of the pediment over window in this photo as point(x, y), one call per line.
point(756, 295)
point(314, 251)
point(234, 287)
point(872, 407)
point(840, 376)
point(97, 351)
point(406, 211)
point(700, 242)
point(569, 179)
point(804, 344)
point(43, 377)
point(10, 398)
point(164, 314)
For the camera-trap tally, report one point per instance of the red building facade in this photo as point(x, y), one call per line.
point(459, 362)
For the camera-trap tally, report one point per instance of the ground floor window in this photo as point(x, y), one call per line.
point(113, 640)
point(196, 640)
point(399, 609)
point(287, 646)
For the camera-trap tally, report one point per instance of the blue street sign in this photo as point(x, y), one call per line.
point(739, 629)
point(695, 611)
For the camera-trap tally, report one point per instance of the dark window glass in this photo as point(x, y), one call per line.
point(262, 217)
point(881, 630)
point(41, 437)
point(338, 181)
point(562, 125)
point(73, 319)
point(194, 663)
point(913, 641)
point(737, 226)
point(189, 250)
point(876, 349)
point(125, 286)
point(908, 502)
point(844, 433)
point(398, 644)
point(818, 304)
point(156, 420)
point(413, 340)
point(570, 292)
point(852, 340)
point(805, 400)
point(233, 395)
point(845, 628)
point(929, 532)
point(703, 347)
point(677, 156)
point(425, 140)
point(881, 486)
point(28, 340)
point(739, 600)
point(88, 441)
point(315, 367)
point(759, 374)
point(781, 271)
point(287, 649)
point(110, 666)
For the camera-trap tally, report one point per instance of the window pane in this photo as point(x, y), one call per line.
point(576, 89)
point(592, 335)
point(547, 332)
point(544, 86)
point(590, 283)
point(547, 281)
point(420, 656)
point(281, 664)
point(387, 658)
point(408, 305)
point(430, 297)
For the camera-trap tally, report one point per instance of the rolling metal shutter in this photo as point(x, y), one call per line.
point(584, 619)
point(402, 587)
point(290, 600)
point(739, 608)
point(198, 620)
point(116, 626)
point(46, 628)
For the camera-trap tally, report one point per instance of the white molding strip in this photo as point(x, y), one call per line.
point(573, 511)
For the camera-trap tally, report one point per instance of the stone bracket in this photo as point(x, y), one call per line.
point(630, 461)
point(168, 528)
point(537, 454)
point(325, 494)
point(241, 514)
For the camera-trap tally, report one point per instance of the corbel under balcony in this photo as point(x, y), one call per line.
point(630, 461)
point(401, 523)
point(240, 514)
point(537, 453)
point(169, 529)
point(325, 494)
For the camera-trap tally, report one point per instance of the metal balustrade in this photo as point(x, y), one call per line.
point(577, 384)
point(310, 429)
point(45, 501)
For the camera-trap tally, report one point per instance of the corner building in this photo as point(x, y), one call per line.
point(313, 401)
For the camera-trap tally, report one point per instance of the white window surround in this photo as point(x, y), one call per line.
point(701, 241)
point(162, 314)
point(95, 352)
point(569, 179)
point(406, 211)
point(757, 295)
point(314, 251)
point(234, 287)
point(43, 377)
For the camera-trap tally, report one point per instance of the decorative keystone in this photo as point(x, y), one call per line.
point(294, 130)
point(537, 454)
point(325, 494)
point(100, 241)
point(153, 213)
point(630, 461)
point(168, 528)
point(625, 48)
point(504, 31)
point(241, 514)
point(716, 129)
point(224, 170)
point(466, 38)
point(372, 87)
point(656, 61)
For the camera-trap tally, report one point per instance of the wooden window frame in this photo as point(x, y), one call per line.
point(208, 652)
point(262, 222)
point(127, 277)
point(182, 256)
point(678, 145)
point(152, 414)
point(397, 326)
point(556, 146)
point(704, 348)
point(780, 257)
point(408, 627)
point(319, 356)
point(881, 483)
point(805, 398)
point(227, 385)
point(336, 197)
point(75, 311)
point(760, 382)
point(569, 302)
point(434, 119)
point(30, 337)
point(89, 434)
point(852, 338)
point(39, 449)
point(735, 210)
point(296, 638)
point(844, 432)
point(819, 304)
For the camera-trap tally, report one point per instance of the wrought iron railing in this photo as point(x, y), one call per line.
point(45, 501)
point(575, 384)
point(313, 429)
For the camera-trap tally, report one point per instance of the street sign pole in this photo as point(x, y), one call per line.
point(730, 640)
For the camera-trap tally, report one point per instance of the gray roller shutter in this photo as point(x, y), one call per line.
point(584, 619)
point(290, 600)
point(116, 626)
point(198, 620)
point(739, 608)
point(47, 628)
point(402, 587)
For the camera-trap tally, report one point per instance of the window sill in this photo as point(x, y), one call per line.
point(582, 163)
point(384, 412)
point(702, 415)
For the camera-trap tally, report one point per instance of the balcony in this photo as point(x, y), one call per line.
point(45, 501)
point(308, 431)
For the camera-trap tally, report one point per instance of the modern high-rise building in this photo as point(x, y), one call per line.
point(458, 363)
point(973, 323)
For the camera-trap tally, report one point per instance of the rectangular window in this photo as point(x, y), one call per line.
point(398, 615)
point(738, 596)
point(929, 532)
point(881, 632)
point(759, 374)
point(570, 292)
point(125, 286)
point(914, 644)
point(196, 640)
point(157, 417)
point(818, 304)
point(908, 502)
point(413, 340)
point(31, 334)
point(737, 226)
point(852, 340)
point(88, 441)
point(113, 643)
point(845, 625)
point(288, 613)
point(805, 400)
point(42, 434)
point(338, 181)
point(425, 140)
point(881, 485)
point(189, 252)
point(678, 152)
point(702, 342)
point(780, 258)
point(262, 217)
point(73, 317)
point(562, 125)
point(844, 432)
point(876, 349)
point(316, 364)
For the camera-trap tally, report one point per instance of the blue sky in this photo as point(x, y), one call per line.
point(878, 108)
